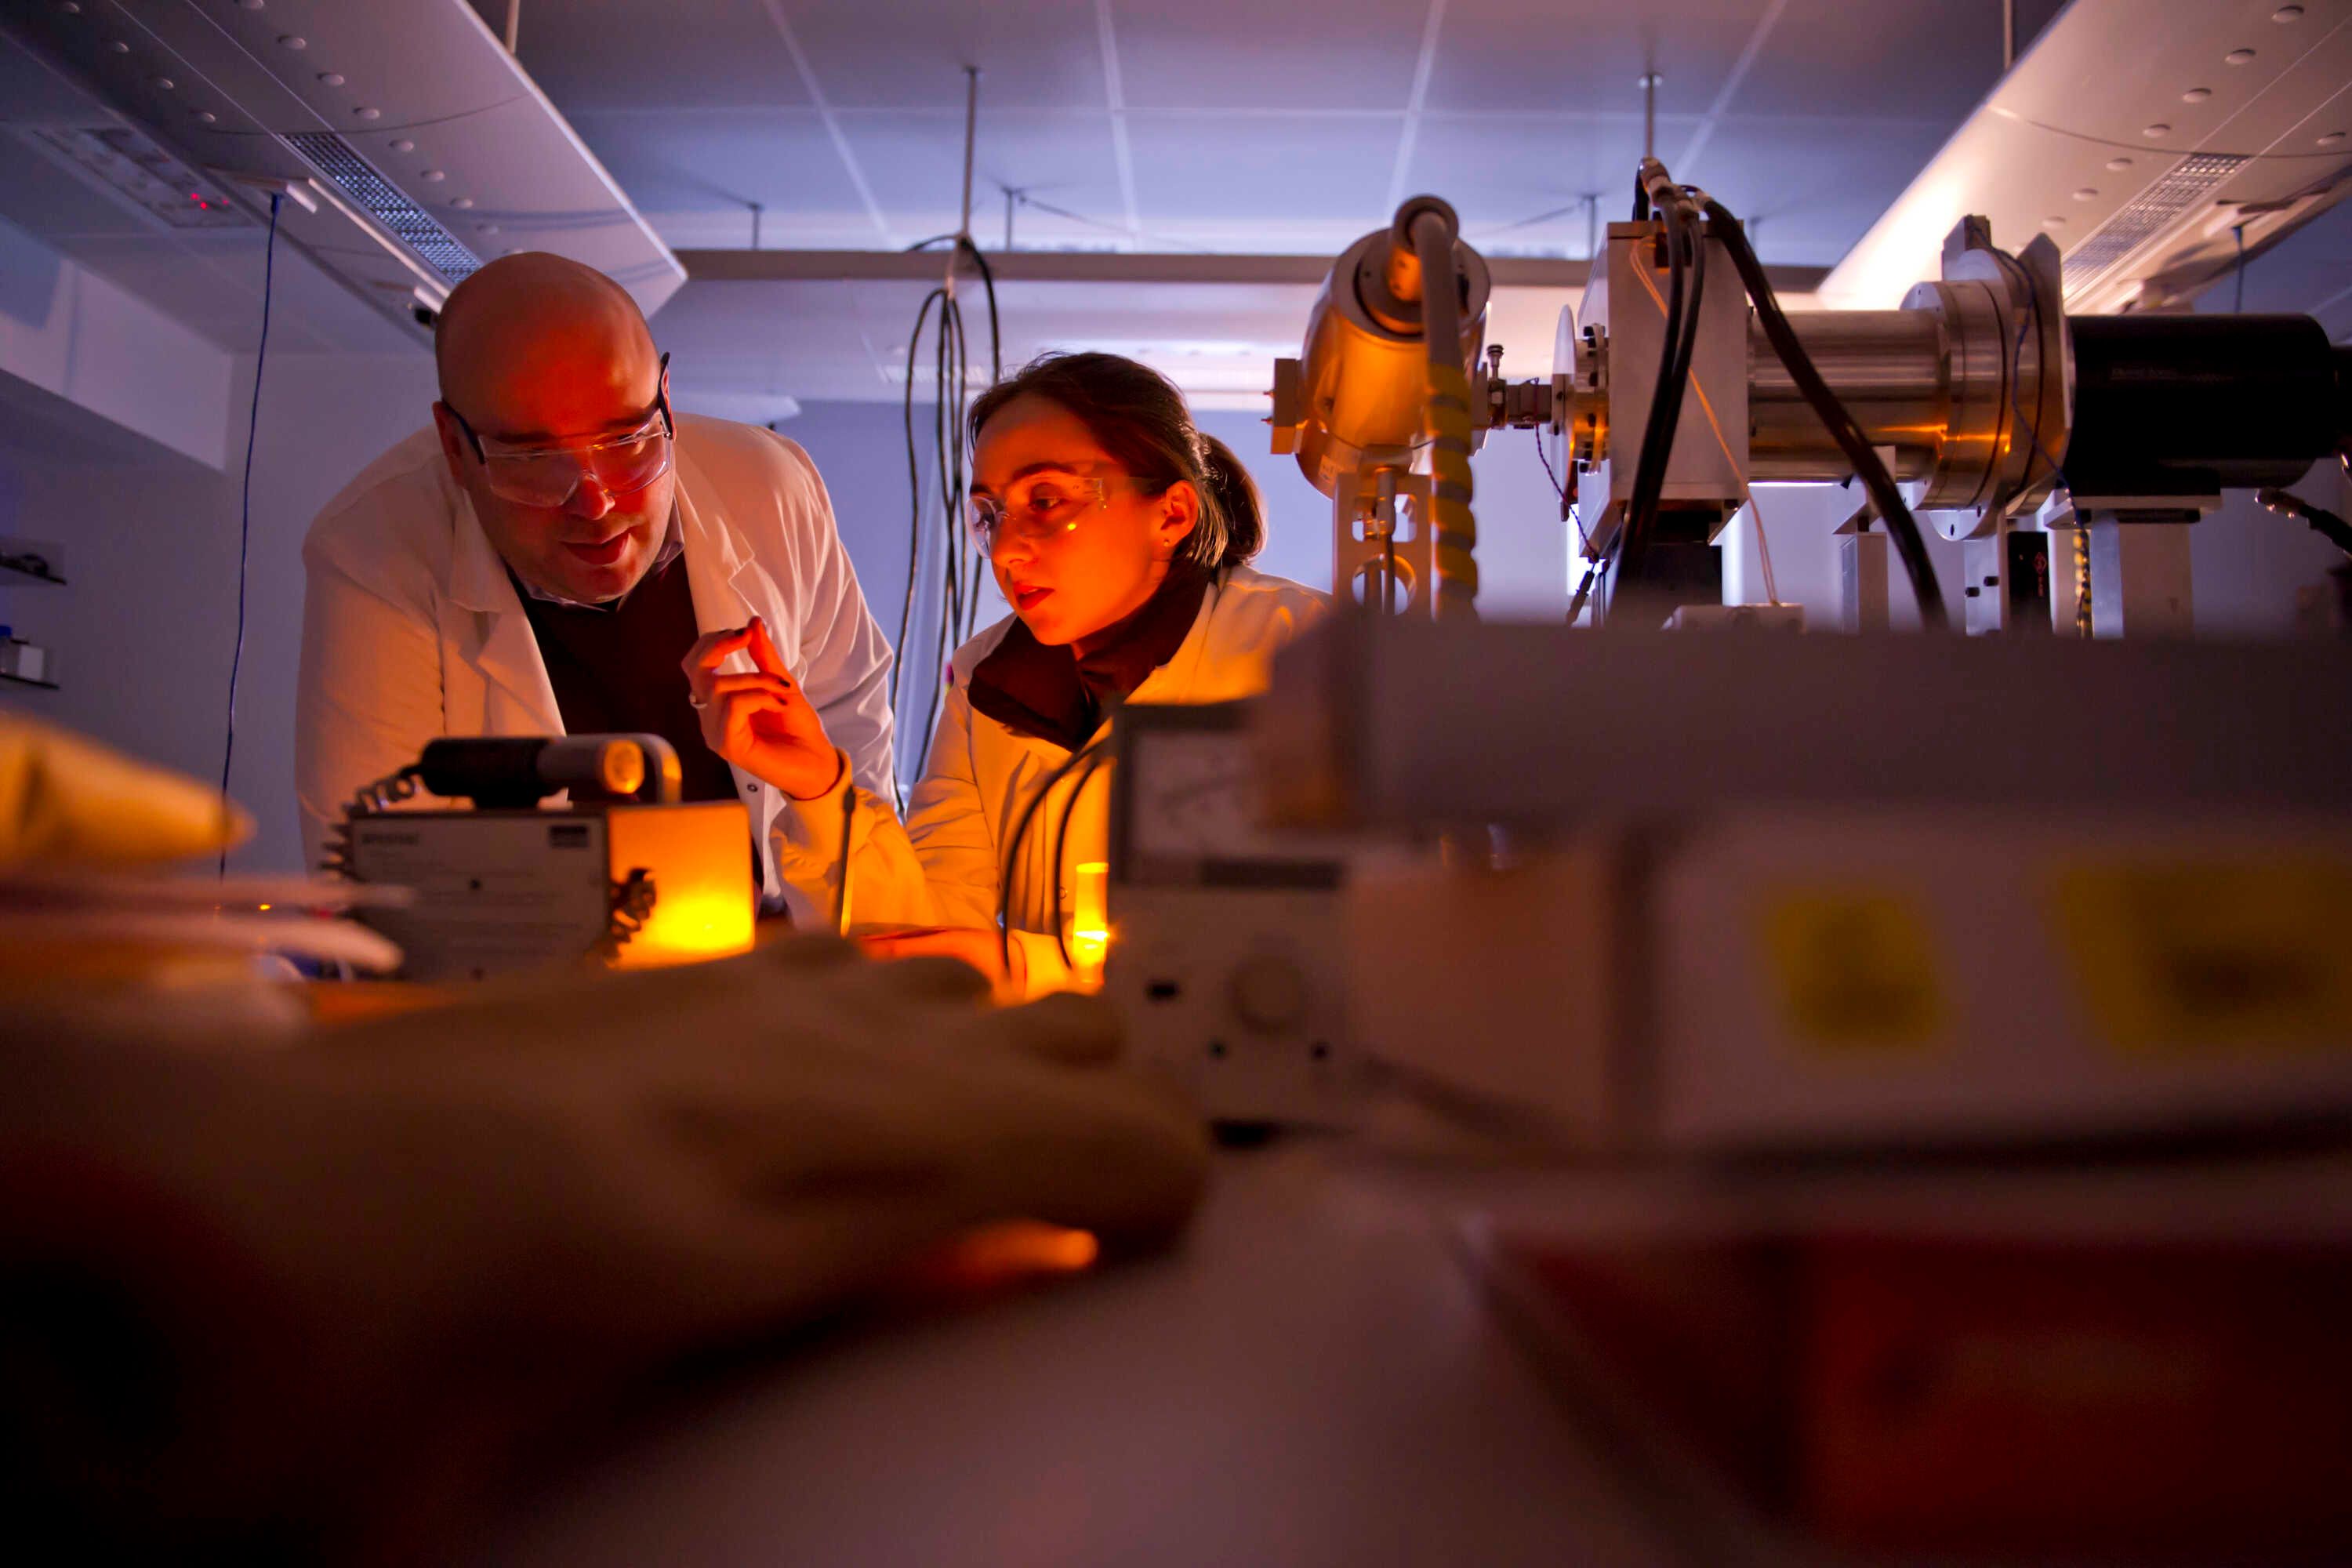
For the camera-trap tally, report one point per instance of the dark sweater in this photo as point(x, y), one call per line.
point(618, 671)
point(1052, 694)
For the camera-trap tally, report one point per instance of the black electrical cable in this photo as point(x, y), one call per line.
point(959, 567)
point(951, 591)
point(1575, 604)
point(2325, 524)
point(245, 510)
point(1686, 252)
point(959, 518)
point(1654, 193)
point(1651, 458)
point(1544, 458)
point(1900, 524)
point(1594, 574)
point(988, 286)
point(915, 510)
point(1019, 836)
point(848, 836)
point(1082, 777)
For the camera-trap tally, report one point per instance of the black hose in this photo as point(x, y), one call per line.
point(988, 285)
point(1082, 777)
point(1900, 524)
point(2325, 524)
point(1688, 250)
point(914, 508)
point(1019, 836)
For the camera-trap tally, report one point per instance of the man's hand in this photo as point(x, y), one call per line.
point(762, 722)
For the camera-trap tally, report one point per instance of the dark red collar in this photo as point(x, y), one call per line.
point(1052, 694)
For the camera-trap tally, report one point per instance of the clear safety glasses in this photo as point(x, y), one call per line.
point(549, 475)
point(1043, 504)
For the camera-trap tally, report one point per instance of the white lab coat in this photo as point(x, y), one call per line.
point(411, 628)
point(943, 867)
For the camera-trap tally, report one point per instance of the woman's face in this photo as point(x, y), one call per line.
point(1079, 546)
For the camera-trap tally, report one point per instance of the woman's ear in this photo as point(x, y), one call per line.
point(1179, 510)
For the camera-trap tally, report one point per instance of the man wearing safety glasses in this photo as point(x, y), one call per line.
point(543, 559)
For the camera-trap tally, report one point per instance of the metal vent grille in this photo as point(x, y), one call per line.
point(381, 200)
point(2189, 182)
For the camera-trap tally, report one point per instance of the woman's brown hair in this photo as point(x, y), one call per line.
point(1143, 422)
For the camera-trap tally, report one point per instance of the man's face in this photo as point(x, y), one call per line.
point(540, 414)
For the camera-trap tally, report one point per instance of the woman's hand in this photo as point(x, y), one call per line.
point(982, 947)
point(762, 722)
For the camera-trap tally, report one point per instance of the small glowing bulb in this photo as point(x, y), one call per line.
point(1090, 917)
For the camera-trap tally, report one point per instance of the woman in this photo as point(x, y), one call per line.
point(1121, 537)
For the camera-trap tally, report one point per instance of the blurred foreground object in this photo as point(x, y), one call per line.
point(93, 906)
point(68, 801)
point(2125, 1364)
point(315, 1302)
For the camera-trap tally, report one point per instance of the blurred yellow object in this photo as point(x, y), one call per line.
point(1091, 923)
point(706, 903)
point(65, 800)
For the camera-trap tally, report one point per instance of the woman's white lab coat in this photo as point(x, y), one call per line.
point(943, 865)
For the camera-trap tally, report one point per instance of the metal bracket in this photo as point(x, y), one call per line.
point(630, 903)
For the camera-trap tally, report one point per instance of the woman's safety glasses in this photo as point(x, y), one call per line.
point(1043, 504)
point(550, 474)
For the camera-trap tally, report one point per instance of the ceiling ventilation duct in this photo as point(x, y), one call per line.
point(2147, 141)
point(413, 145)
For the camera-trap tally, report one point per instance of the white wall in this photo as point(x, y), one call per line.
point(145, 628)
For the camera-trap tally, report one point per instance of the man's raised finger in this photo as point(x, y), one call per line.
point(709, 651)
point(763, 649)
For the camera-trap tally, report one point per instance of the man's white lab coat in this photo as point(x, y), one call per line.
point(946, 864)
point(412, 630)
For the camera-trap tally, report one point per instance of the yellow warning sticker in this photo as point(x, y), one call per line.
point(2212, 955)
point(1856, 970)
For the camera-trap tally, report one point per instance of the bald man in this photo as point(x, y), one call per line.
point(544, 559)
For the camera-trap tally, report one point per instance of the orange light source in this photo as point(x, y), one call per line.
point(704, 903)
point(1090, 919)
point(1003, 1254)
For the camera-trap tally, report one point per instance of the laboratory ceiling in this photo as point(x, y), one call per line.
point(1222, 126)
point(1237, 125)
point(1216, 126)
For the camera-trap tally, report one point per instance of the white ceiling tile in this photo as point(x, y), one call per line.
point(914, 164)
point(1267, 171)
point(624, 53)
point(685, 160)
point(1500, 171)
point(1833, 58)
point(911, 53)
point(1247, 54)
point(1589, 56)
point(1815, 186)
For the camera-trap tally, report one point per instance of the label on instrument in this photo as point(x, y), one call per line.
point(1856, 970)
point(2211, 956)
